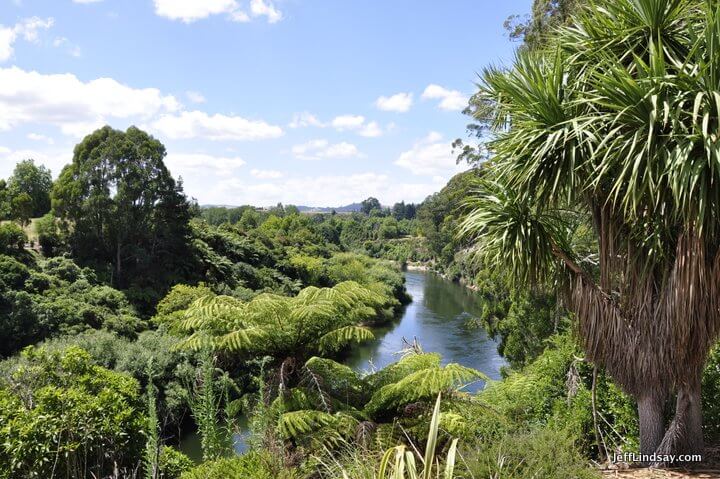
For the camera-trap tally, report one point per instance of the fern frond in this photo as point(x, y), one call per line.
point(336, 340)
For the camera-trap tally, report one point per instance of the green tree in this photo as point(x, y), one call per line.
point(36, 182)
point(613, 128)
point(22, 208)
point(121, 207)
point(4, 200)
point(370, 204)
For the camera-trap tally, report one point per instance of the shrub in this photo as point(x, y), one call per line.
point(252, 465)
point(711, 394)
point(12, 238)
point(59, 412)
point(542, 452)
point(13, 273)
point(173, 463)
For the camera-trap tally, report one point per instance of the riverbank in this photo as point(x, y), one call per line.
point(429, 268)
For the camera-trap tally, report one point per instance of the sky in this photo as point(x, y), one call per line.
point(305, 102)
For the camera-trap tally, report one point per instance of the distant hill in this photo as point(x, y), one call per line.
point(351, 208)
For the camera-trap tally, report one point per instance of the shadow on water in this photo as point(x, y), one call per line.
point(437, 317)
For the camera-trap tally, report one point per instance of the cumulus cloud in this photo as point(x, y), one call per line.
point(370, 130)
point(449, 99)
point(72, 49)
point(198, 124)
point(347, 122)
point(40, 138)
point(189, 11)
point(266, 174)
point(430, 156)
point(54, 159)
point(399, 102)
point(305, 119)
point(185, 164)
point(355, 123)
point(259, 8)
point(358, 124)
point(195, 97)
point(322, 149)
point(28, 29)
point(73, 105)
point(323, 190)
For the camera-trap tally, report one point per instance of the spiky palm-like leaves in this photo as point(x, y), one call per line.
point(619, 122)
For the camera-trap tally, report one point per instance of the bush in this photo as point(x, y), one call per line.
point(539, 453)
point(711, 395)
point(60, 413)
point(13, 273)
point(12, 238)
point(252, 465)
point(173, 463)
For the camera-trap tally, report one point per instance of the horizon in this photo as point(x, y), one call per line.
point(258, 101)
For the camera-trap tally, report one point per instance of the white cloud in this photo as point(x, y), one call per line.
point(330, 190)
point(347, 122)
point(322, 149)
point(71, 104)
point(198, 124)
point(40, 138)
point(449, 99)
point(72, 50)
point(261, 8)
point(399, 102)
point(195, 97)
point(371, 130)
point(356, 123)
point(266, 174)
point(185, 164)
point(304, 119)
point(54, 159)
point(192, 10)
point(430, 157)
point(189, 11)
point(27, 29)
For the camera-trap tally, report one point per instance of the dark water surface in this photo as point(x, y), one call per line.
point(437, 318)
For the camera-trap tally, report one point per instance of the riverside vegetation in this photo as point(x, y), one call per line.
point(130, 315)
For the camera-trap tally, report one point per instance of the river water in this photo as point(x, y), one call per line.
point(436, 318)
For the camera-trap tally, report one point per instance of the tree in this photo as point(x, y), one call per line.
point(36, 182)
point(615, 128)
point(21, 207)
point(546, 16)
point(316, 320)
point(4, 200)
point(121, 207)
point(370, 204)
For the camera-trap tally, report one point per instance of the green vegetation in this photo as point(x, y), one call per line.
point(587, 224)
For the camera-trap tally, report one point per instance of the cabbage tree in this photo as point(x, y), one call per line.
point(616, 125)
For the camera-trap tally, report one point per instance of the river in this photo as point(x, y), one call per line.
point(436, 318)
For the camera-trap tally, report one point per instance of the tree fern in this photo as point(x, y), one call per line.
point(342, 337)
point(421, 385)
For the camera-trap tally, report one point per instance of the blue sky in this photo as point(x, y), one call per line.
point(313, 102)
